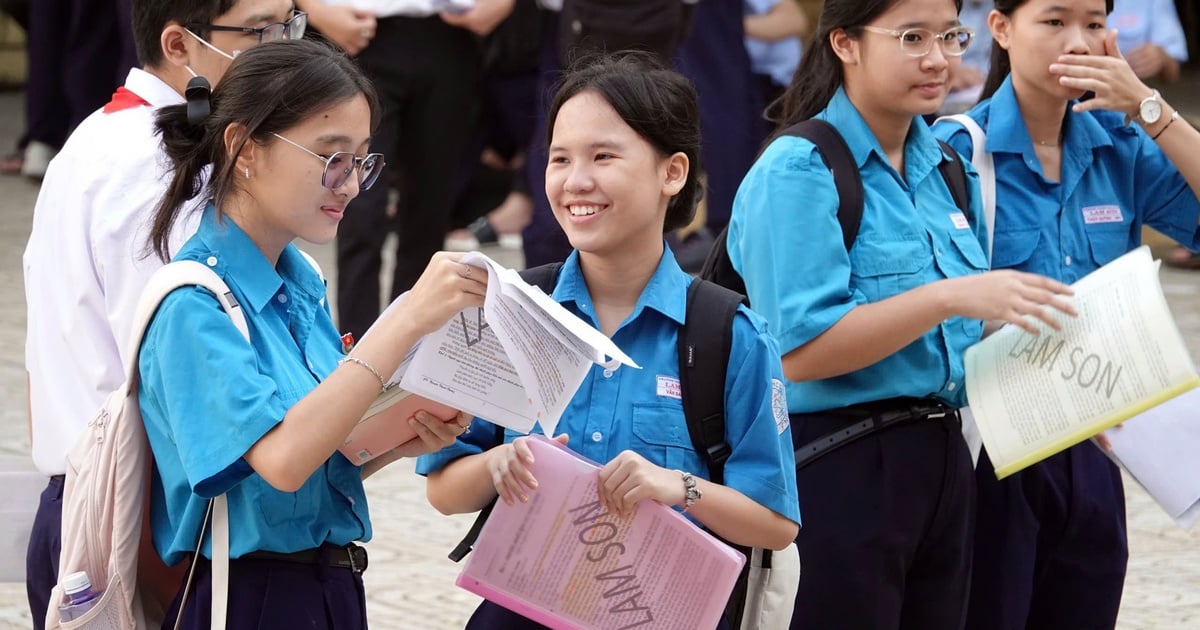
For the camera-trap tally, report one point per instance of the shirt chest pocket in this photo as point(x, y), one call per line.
point(660, 434)
point(1107, 241)
point(881, 267)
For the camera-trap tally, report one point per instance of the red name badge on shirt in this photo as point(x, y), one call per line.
point(1102, 214)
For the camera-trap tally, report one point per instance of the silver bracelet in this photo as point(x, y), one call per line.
point(691, 493)
point(358, 361)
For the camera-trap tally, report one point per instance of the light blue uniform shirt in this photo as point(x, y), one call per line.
point(786, 242)
point(207, 396)
point(631, 409)
point(1140, 22)
point(777, 59)
point(1114, 179)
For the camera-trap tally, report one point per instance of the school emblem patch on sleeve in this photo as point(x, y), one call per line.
point(779, 405)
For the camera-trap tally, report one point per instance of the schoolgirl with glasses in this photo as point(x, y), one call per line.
point(1076, 179)
point(284, 140)
point(872, 332)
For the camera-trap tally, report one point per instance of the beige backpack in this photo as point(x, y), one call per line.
point(105, 505)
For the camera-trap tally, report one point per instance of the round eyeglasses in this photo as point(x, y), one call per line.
point(917, 42)
point(339, 165)
point(291, 29)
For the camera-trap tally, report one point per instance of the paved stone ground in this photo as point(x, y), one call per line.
point(411, 583)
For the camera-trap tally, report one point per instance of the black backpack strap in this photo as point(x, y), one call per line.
point(955, 173)
point(467, 543)
point(704, 343)
point(846, 178)
point(544, 277)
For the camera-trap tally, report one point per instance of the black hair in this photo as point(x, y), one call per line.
point(1000, 64)
point(268, 89)
point(820, 73)
point(150, 17)
point(659, 104)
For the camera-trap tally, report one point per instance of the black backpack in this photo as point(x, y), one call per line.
point(704, 343)
point(590, 26)
point(848, 182)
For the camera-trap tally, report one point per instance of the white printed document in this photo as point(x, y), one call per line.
point(515, 362)
point(1035, 395)
point(1160, 448)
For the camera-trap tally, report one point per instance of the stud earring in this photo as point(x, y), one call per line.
point(247, 172)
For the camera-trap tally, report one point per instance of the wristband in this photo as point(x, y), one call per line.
point(691, 493)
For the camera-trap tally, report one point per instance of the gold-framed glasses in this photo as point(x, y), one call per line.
point(917, 42)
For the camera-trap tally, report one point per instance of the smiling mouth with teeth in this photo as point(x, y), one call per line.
point(582, 211)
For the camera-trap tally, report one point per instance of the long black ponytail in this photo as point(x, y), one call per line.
point(267, 89)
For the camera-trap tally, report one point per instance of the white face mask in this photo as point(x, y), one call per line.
point(213, 48)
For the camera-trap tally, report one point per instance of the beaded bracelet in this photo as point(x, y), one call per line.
point(358, 361)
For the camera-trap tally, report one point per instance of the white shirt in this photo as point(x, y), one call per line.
point(86, 264)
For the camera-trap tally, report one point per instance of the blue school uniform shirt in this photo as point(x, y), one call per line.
point(786, 242)
point(1113, 179)
point(207, 396)
point(625, 408)
point(776, 59)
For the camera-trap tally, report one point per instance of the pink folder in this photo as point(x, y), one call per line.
point(562, 562)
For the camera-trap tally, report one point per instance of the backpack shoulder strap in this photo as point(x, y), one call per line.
point(982, 161)
point(704, 343)
point(846, 178)
point(170, 277)
point(544, 277)
point(955, 173)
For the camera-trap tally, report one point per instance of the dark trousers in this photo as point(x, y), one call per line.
point(491, 616)
point(41, 559)
point(887, 528)
point(543, 240)
point(1050, 544)
point(272, 594)
point(74, 51)
point(427, 76)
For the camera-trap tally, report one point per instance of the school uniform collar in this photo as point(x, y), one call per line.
point(241, 262)
point(151, 89)
point(922, 153)
point(666, 292)
point(1007, 133)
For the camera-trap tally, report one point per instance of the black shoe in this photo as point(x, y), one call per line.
point(483, 231)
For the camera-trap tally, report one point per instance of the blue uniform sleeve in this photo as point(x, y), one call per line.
point(1163, 196)
point(786, 242)
point(201, 383)
point(762, 465)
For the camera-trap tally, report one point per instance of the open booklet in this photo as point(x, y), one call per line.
point(564, 562)
point(1035, 395)
point(515, 362)
point(1158, 449)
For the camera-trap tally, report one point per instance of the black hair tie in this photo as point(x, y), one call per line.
point(199, 102)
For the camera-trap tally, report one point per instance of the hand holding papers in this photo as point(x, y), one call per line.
point(562, 561)
point(1158, 448)
point(1035, 395)
point(516, 362)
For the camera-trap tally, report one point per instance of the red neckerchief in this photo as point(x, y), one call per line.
point(124, 99)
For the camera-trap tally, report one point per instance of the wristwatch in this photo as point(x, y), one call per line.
point(1150, 109)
